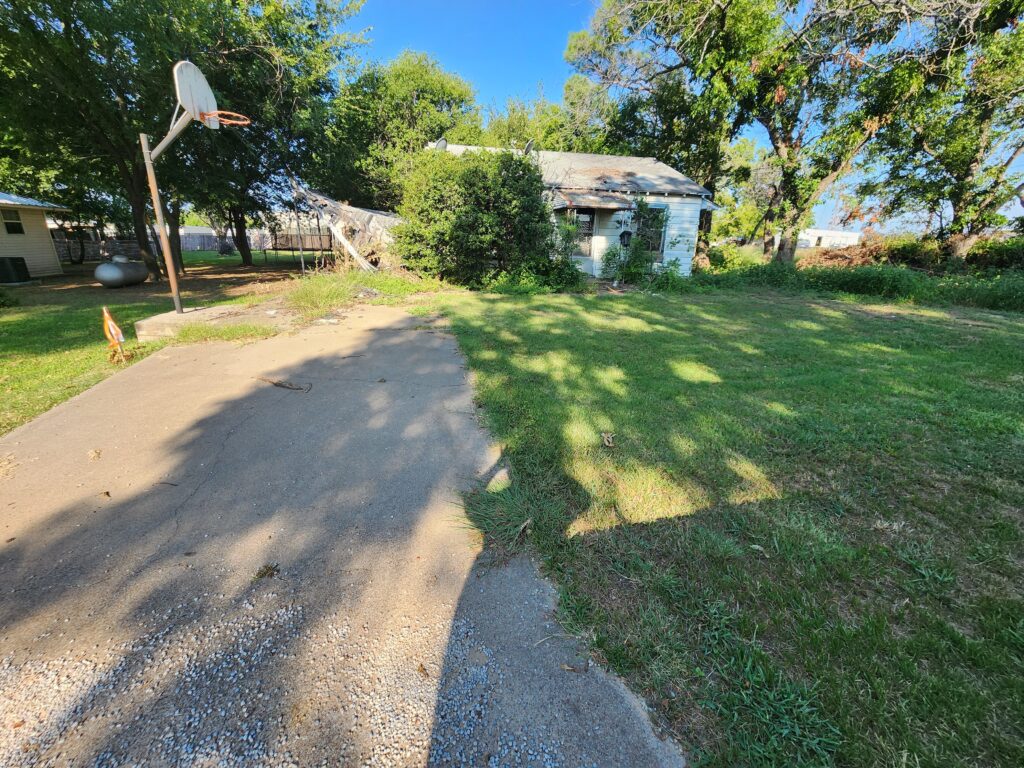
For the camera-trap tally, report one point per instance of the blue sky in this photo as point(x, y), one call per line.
point(503, 48)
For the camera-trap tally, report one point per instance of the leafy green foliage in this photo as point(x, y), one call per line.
point(578, 124)
point(1004, 291)
point(383, 118)
point(949, 154)
point(471, 217)
point(722, 258)
point(108, 67)
point(998, 254)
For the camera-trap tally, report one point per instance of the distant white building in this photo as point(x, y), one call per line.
point(825, 238)
point(25, 239)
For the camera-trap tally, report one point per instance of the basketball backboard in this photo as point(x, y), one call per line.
point(195, 95)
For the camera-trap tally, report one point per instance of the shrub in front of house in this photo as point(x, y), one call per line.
point(471, 218)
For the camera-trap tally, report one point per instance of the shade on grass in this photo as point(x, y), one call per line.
point(51, 341)
point(804, 544)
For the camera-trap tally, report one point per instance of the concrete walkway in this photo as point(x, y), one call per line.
point(199, 567)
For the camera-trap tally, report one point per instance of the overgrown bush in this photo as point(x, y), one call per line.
point(925, 253)
point(472, 217)
point(517, 284)
point(913, 251)
point(669, 280)
point(561, 273)
point(6, 300)
point(998, 254)
point(731, 256)
point(1005, 291)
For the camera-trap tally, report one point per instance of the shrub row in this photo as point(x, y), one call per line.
point(923, 253)
point(1003, 291)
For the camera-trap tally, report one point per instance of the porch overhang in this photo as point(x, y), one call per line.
point(608, 201)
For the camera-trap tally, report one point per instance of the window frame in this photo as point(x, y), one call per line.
point(16, 222)
point(660, 258)
point(585, 240)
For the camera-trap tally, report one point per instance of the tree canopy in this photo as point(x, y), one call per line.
point(107, 67)
point(386, 114)
point(819, 80)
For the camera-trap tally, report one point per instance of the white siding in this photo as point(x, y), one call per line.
point(680, 234)
point(35, 246)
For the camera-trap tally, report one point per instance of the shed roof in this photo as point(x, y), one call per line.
point(17, 201)
point(606, 173)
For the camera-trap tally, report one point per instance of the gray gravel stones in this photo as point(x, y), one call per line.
point(191, 692)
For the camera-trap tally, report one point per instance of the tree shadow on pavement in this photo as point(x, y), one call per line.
point(204, 568)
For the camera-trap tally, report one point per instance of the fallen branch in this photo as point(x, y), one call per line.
point(286, 384)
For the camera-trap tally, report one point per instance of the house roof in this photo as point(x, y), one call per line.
point(607, 173)
point(17, 201)
point(610, 201)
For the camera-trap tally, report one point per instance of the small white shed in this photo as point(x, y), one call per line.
point(600, 192)
point(25, 234)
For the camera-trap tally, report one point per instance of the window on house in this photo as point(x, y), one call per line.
point(656, 236)
point(12, 222)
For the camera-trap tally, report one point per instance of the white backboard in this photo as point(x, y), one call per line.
point(194, 93)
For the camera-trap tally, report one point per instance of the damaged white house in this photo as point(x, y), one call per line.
point(600, 192)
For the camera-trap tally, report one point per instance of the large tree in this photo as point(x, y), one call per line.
point(819, 78)
point(671, 106)
point(381, 119)
point(89, 77)
point(954, 152)
point(578, 124)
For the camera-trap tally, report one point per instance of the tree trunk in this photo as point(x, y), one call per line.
point(241, 238)
point(700, 257)
point(787, 245)
point(960, 245)
point(172, 214)
point(138, 197)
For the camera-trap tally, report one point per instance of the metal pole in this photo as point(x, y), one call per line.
point(165, 241)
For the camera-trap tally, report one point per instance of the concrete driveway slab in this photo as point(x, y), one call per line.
point(256, 555)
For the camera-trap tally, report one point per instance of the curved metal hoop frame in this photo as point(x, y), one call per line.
point(226, 118)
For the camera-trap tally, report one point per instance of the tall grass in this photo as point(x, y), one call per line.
point(1002, 291)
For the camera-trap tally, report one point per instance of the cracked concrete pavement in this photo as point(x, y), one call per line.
point(198, 567)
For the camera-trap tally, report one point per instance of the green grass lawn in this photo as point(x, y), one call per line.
point(52, 345)
point(51, 342)
point(804, 545)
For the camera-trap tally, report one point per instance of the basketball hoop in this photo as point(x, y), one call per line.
point(224, 117)
point(195, 102)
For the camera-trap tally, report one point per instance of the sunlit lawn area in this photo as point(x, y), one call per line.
point(804, 544)
point(52, 345)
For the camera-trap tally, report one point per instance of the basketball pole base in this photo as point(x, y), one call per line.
point(158, 211)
